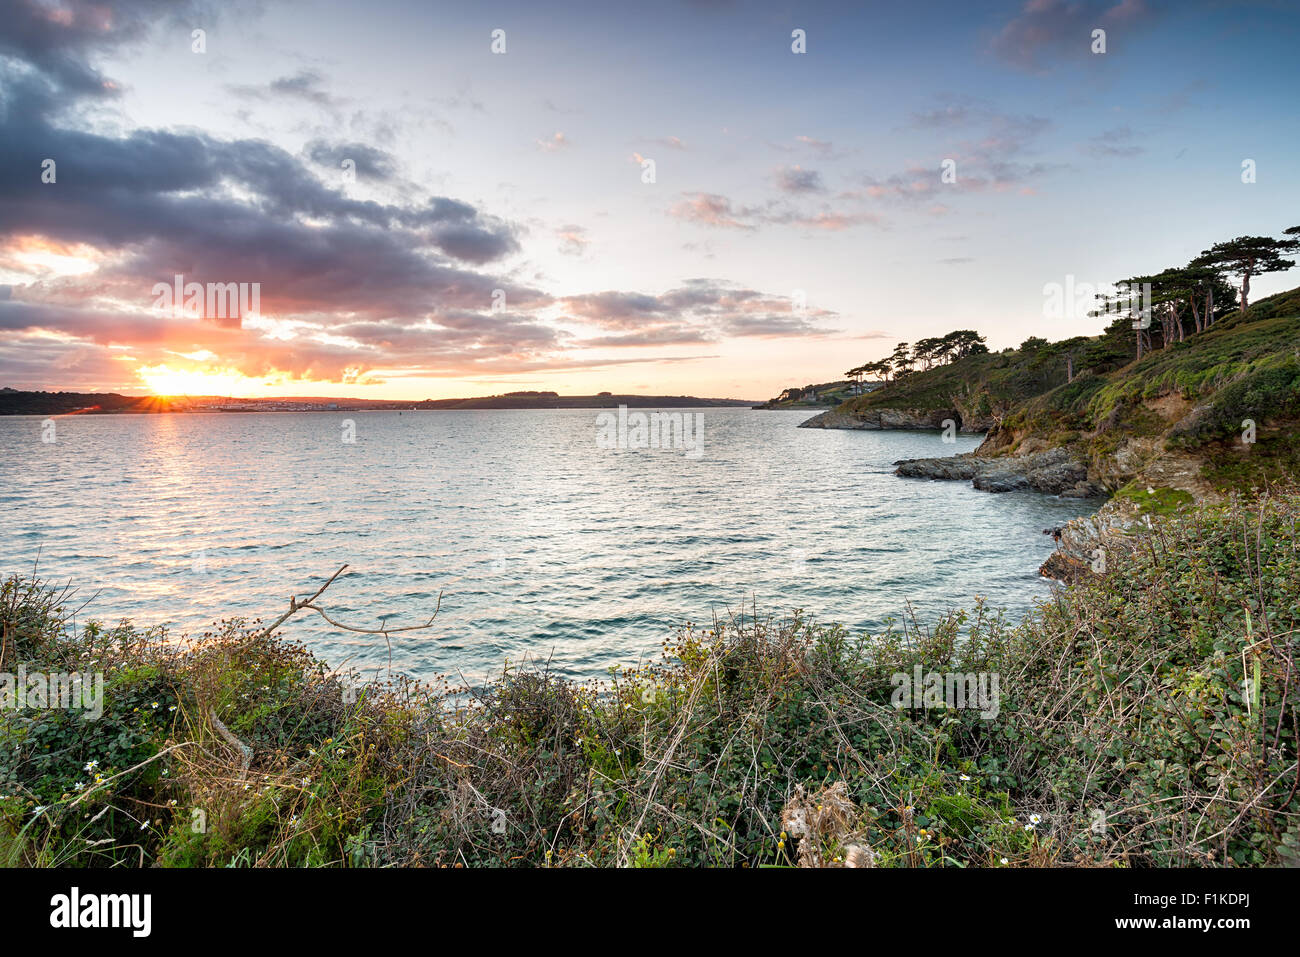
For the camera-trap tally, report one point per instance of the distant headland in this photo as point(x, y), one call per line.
point(15, 402)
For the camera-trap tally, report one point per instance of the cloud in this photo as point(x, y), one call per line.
point(573, 239)
point(719, 212)
point(371, 163)
point(699, 310)
point(554, 143)
point(1117, 142)
point(990, 151)
point(1048, 31)
point(303, 86)
point(823, 148)
point(713, 209)
point(352, 290)
point(56, 41)
point(796, 179)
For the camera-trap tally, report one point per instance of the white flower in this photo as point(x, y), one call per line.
point(1005, 861)
point(1029, 827)
point(79, 786)
point(965, 777)
point(90, 765)
point(1035, 818)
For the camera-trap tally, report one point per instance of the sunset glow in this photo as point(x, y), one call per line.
point(163, 380)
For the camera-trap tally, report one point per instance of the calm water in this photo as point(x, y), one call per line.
point(541, 543)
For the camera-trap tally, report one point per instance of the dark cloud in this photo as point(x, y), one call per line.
point(56, 40)
point(371, 163)
point(350, 288)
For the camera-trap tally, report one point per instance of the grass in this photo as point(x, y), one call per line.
point(1147, 716)
point(1154, 500)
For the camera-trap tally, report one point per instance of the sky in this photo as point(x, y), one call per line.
point(434, 200)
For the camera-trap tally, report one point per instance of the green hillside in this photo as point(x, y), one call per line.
point(1195, 398)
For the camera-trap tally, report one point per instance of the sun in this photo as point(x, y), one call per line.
point(163, 380)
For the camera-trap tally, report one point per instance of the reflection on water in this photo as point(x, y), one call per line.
point(540, 542)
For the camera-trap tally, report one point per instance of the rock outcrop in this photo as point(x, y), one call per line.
point(1054, 472)
point(1084, 545)
point(917, 419)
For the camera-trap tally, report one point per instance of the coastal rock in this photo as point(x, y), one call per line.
point(889, 419)
point(1053, 472)
point(1085, 545)
point(948, 468)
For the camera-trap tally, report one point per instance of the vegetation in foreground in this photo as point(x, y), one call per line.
point(1147, 717)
